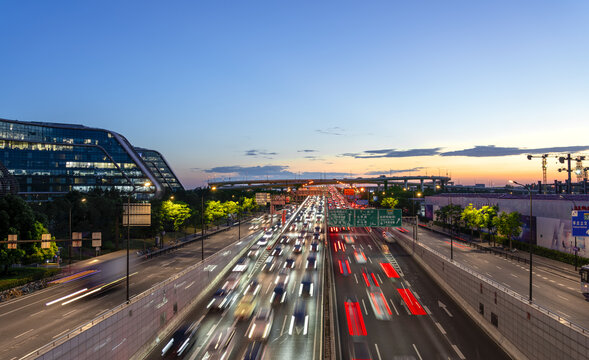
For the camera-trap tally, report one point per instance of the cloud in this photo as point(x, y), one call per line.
point(307, 151)
point(393, 153)
point(260, 153)
point(492, 150)
point(270, 171)
point(335, 130)
point(386, 172)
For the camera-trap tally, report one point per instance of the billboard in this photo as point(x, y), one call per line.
point(136, 214)
point(262, 198)
point(348, 191)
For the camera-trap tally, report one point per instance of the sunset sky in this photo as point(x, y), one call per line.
point(236, 89)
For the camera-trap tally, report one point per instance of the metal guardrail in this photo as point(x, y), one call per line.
point(500, 287)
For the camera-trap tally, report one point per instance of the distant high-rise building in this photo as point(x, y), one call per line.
point(42, 160)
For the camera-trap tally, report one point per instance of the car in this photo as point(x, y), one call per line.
point(221, 344)
point(181, 342)
point(242, 264)
point(314, 246)
point(245, 307)
point(254, 351)
point(221, 300)
point(277, 251)
point(299, 321)
point(349, 239)
point(297, 249)
point(316, 236)
point(359, 256)
point(311, 262)
point(254, 251)
point(369, 278)
point(381, 308)
point(232, 281)
point(359, 350)
point(278, 294)
point(253, 287)
point(284, 240)
point(385, 249)
point(306, 287)
point(261, 324)
point(356, 326)
point(317, 228)
point(269, 264)
point(262, 242)
point(290, 263)
point(344, 267)
point(268, 234)
point(282, 277)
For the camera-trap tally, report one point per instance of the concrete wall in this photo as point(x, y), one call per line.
point(525, 330)
point(129, 328)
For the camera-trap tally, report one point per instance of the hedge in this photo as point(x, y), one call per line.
point(22, 276)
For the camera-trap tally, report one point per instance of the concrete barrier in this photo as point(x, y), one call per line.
point(524, 330)
point(128, 328)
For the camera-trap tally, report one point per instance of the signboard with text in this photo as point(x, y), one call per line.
point(580, 221)
point(364, 217)
point(136, 214)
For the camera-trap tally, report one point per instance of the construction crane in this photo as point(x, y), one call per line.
point(544, 157)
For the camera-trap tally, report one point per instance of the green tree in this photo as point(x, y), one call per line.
point(489, 220)
point(509, 225)
point(214, 210)
point(454, 215)
point(248, 204)
point(471, 218)
point(389, 202)
point(175, 214)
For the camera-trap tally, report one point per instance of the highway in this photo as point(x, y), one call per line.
point(555, 290)
point(285, 340)
point(28, 323)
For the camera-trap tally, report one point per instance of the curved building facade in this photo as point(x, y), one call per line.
point(43, 160)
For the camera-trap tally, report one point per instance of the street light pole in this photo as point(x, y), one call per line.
point(202, 229)
point(530, 243)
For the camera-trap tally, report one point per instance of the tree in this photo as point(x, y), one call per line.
point(454, 214)
point(175, 214)
point(248, 204)
point(214, 210)
point(509, 225)
point(489, 220)
point(389, 202)
point(471, 217)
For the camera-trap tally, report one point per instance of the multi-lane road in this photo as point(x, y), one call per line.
point(29, 323)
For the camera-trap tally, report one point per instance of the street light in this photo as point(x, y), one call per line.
point(530, 243)
point(202, 217)
point(146, 184)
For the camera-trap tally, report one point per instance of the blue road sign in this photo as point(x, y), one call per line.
point(580, 223)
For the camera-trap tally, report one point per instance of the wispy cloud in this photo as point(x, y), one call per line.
point(393, 153)
point(386, 172)
point(270, 171)
point(307, 151)
point(260, 153)
point(335, 130)
point(492, 150)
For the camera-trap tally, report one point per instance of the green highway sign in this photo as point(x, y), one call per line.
point(364, 217)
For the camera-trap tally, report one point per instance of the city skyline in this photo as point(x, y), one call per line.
point(328, 89)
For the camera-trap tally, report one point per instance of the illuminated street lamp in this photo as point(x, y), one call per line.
point(530, 243)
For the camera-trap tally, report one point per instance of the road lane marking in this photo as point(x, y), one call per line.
point(68, 313)
point(377, 351)
point(440, 328)
point(515, 276)
point(506, 284)
point(489, 275)
point(426, 309)
point(26, 332)
point(283, 324)
point(498, 267)
point(38, 312)
point(61, 333)
point(394, 307)
point(417, 351)
point(460, 355)
point(364, 304)
point(379, 278)
point(535, 285)
point(355, 277)
point(369, 259)
point(268, 288)
point(562, 297)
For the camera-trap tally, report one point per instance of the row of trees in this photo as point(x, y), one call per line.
point(487, 217)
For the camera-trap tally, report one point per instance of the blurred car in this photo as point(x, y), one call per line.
point(278, 294)
point(245, 307)
point(306, 288)
point(299, 322)
point(381, 308)
point(359, 256)
point(283, 276)
point(262, 242)
point(349, 239)
point(297, 249)
point(385, 249)
point(314, 246)
point(269, 264)
point(254, 251)
point(232, 281)
point(242, 264)
point(261, 324)
point(221, 300)
point(277, 251)
point(290, 263)
point(359, 350)
point(252, 288)
point(344, 267)
point(221, 344)
point(311, 262)
point(284, 240)
point(369, 278)
point(254, 351)
point(181, 342)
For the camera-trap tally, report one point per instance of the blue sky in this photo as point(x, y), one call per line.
point(229, 89)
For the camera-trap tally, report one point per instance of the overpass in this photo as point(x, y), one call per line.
point(405, 181)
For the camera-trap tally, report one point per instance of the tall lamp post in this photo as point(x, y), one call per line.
point(147, 184)
point(530, 243)
point(202, 217)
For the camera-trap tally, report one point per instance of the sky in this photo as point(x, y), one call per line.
point(246, 89)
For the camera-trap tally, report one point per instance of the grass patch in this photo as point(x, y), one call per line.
point(20, 276)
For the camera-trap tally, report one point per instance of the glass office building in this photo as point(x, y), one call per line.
point(43, 160)
point(159, 167)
